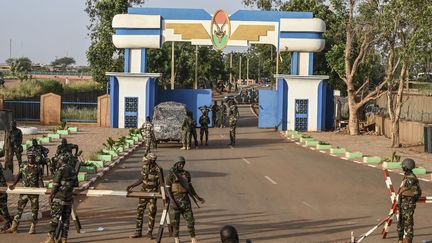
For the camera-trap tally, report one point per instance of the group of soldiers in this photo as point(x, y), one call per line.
point(63, 167)
point(179, 188)
point(219, 117)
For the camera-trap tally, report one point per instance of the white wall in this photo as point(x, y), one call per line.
point(303, 64)
point(135, 60)
point(132, 87)
point(303, 89)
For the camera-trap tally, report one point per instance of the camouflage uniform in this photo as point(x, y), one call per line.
point(149, 136)
point(151, 183)
point(193, 134)
point(186, 131)
point(233, 110)
point(215, 113)
point(31, 176)
point(204, 122)
point(410, 193)
point(16, 138)
point(41, 154)
point(65, 179)
point(222, 115)
point(64, 149)
point(4, 212)
point(232, 127)
point(182, 199)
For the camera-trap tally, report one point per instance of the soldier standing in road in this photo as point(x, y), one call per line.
point(186, 132)
point(65, 179)
point(204, 122)
point(215, 113)
point(151, 180)
point(31, 176)
point(4, 212)
point(233, 109)
point(180, 187)
point(222, 114)
point(193, 132)
point(149, 136)
point(15, 141)
point(232, 127)
point(410, 193)
point(63, 148)
point(40, 152)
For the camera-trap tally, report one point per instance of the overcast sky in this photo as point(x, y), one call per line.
point(45, 29)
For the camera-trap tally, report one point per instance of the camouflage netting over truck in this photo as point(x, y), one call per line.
point(167, 121)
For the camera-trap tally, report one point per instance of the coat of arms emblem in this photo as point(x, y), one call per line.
point(220, 30)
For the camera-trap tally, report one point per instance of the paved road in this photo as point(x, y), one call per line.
point(270, 189)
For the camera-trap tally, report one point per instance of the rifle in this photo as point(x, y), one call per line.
point(191, 192)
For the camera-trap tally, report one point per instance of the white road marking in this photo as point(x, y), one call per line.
point(272, 181)
point(247, 161)
point(373, 166)
point(307, 204)
point(322, 152)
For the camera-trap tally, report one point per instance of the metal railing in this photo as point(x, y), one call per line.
point(24, 110)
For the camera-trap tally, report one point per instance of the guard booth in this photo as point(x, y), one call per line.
point(301, 97)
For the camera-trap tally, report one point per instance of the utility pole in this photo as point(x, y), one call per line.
point(230, 77)
point(240, 73)
point(172, 66)
point(247, 67)
point(259, 69)
point(196, 68)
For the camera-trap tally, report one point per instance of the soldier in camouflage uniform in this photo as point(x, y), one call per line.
point(4, 212)
point(410, 192)
point(193, 132)
point(186, 132)
point(40, 152)
point(15, 140)
point(233, 109)
point(31, 176)
point(149, 136)
point(204, 122)
point(222, 114)
point(215, 113)
point(65, 179)
point(151, 180)
point(62, 149)
point(182, 204)
point(232, 127)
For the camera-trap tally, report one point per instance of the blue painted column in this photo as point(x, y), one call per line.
point(294, 63)
point(311, 63)
point(321, 116)
point(282, 108)
point(143, 60)
point(114, 102)
point(126, 60)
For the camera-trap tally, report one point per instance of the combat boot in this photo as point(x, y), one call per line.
point(49, 239)
point(149, 235)
point(63, 240)
point(183, 148)
point(13, 228)
point(5, 227)
point(193, 240)
point(32, 229)
point(137, 234)
point(176, 240)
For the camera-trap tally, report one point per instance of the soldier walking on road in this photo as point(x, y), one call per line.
point(193, 132)
point(149, 136)
point(4, 212)
point(179, 186)
point(65, 179)
point(186, 132)
point(204, 122)
point(151, 180)
point(222, 114)
point(232, 127)
point(40, 152)
point(233, 109)
point(31, 176)
point(215, 113)
point(15, 141)
point(410, 193)
point(62, 149)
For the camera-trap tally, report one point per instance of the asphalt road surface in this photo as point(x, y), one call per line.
point(271, 190)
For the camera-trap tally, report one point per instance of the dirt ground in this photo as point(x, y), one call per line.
point(371, 145)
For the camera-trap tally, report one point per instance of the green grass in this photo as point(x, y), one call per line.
point(32, 88)
point(79, 114)
point(81, 87)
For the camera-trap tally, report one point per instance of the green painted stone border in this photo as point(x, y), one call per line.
point(290, 133)
point(296, 136)
point(354, 155)
point(324, 146)
point(50, 185)
point(372, 160)
point(111, 152)
point(392, 165)
point(312, 143)
point(44, 140)
point(105, 157)
point(53, 136)
point(338, 150)
point(24, 146)
point(97, 163)
point(82, 176)
point(303, 140)
point(29, 142)
point(88, 169)
point(419, 171)
point(130, 142)
point(72, 129)
point(63, 132)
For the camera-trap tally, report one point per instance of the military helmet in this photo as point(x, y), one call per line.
point(151, 156)
point(64, 141)
point(179, 159)
point(34, 141)
point(229, 234)
point(408, 164)
point(13, 123)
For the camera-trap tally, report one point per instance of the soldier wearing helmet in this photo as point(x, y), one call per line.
point(410, 192)
point(15, 141)
point(151, 180)
point(229, 234)
point(180, 187)
point(64, 148)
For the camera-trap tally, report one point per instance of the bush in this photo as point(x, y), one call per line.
point(32, 88)
point(81, 87)
point(79, 114)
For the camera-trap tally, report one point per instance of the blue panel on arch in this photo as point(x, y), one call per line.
point(192, 98)
point(268, 108)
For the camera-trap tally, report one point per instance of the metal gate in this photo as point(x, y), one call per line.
point(268, 104)
point(131, 112)
point(301, 115)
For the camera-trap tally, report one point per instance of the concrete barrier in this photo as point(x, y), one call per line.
point(372, 160)
point(323, 146)
point(338, 151)
point(392, 165)
point(355, 155)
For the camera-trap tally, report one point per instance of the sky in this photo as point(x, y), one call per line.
point(44, 30)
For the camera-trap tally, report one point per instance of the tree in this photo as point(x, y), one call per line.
point(102, 55)
point(20, 68)
point(405, 33)
point(263, 4)
point(63, 62)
